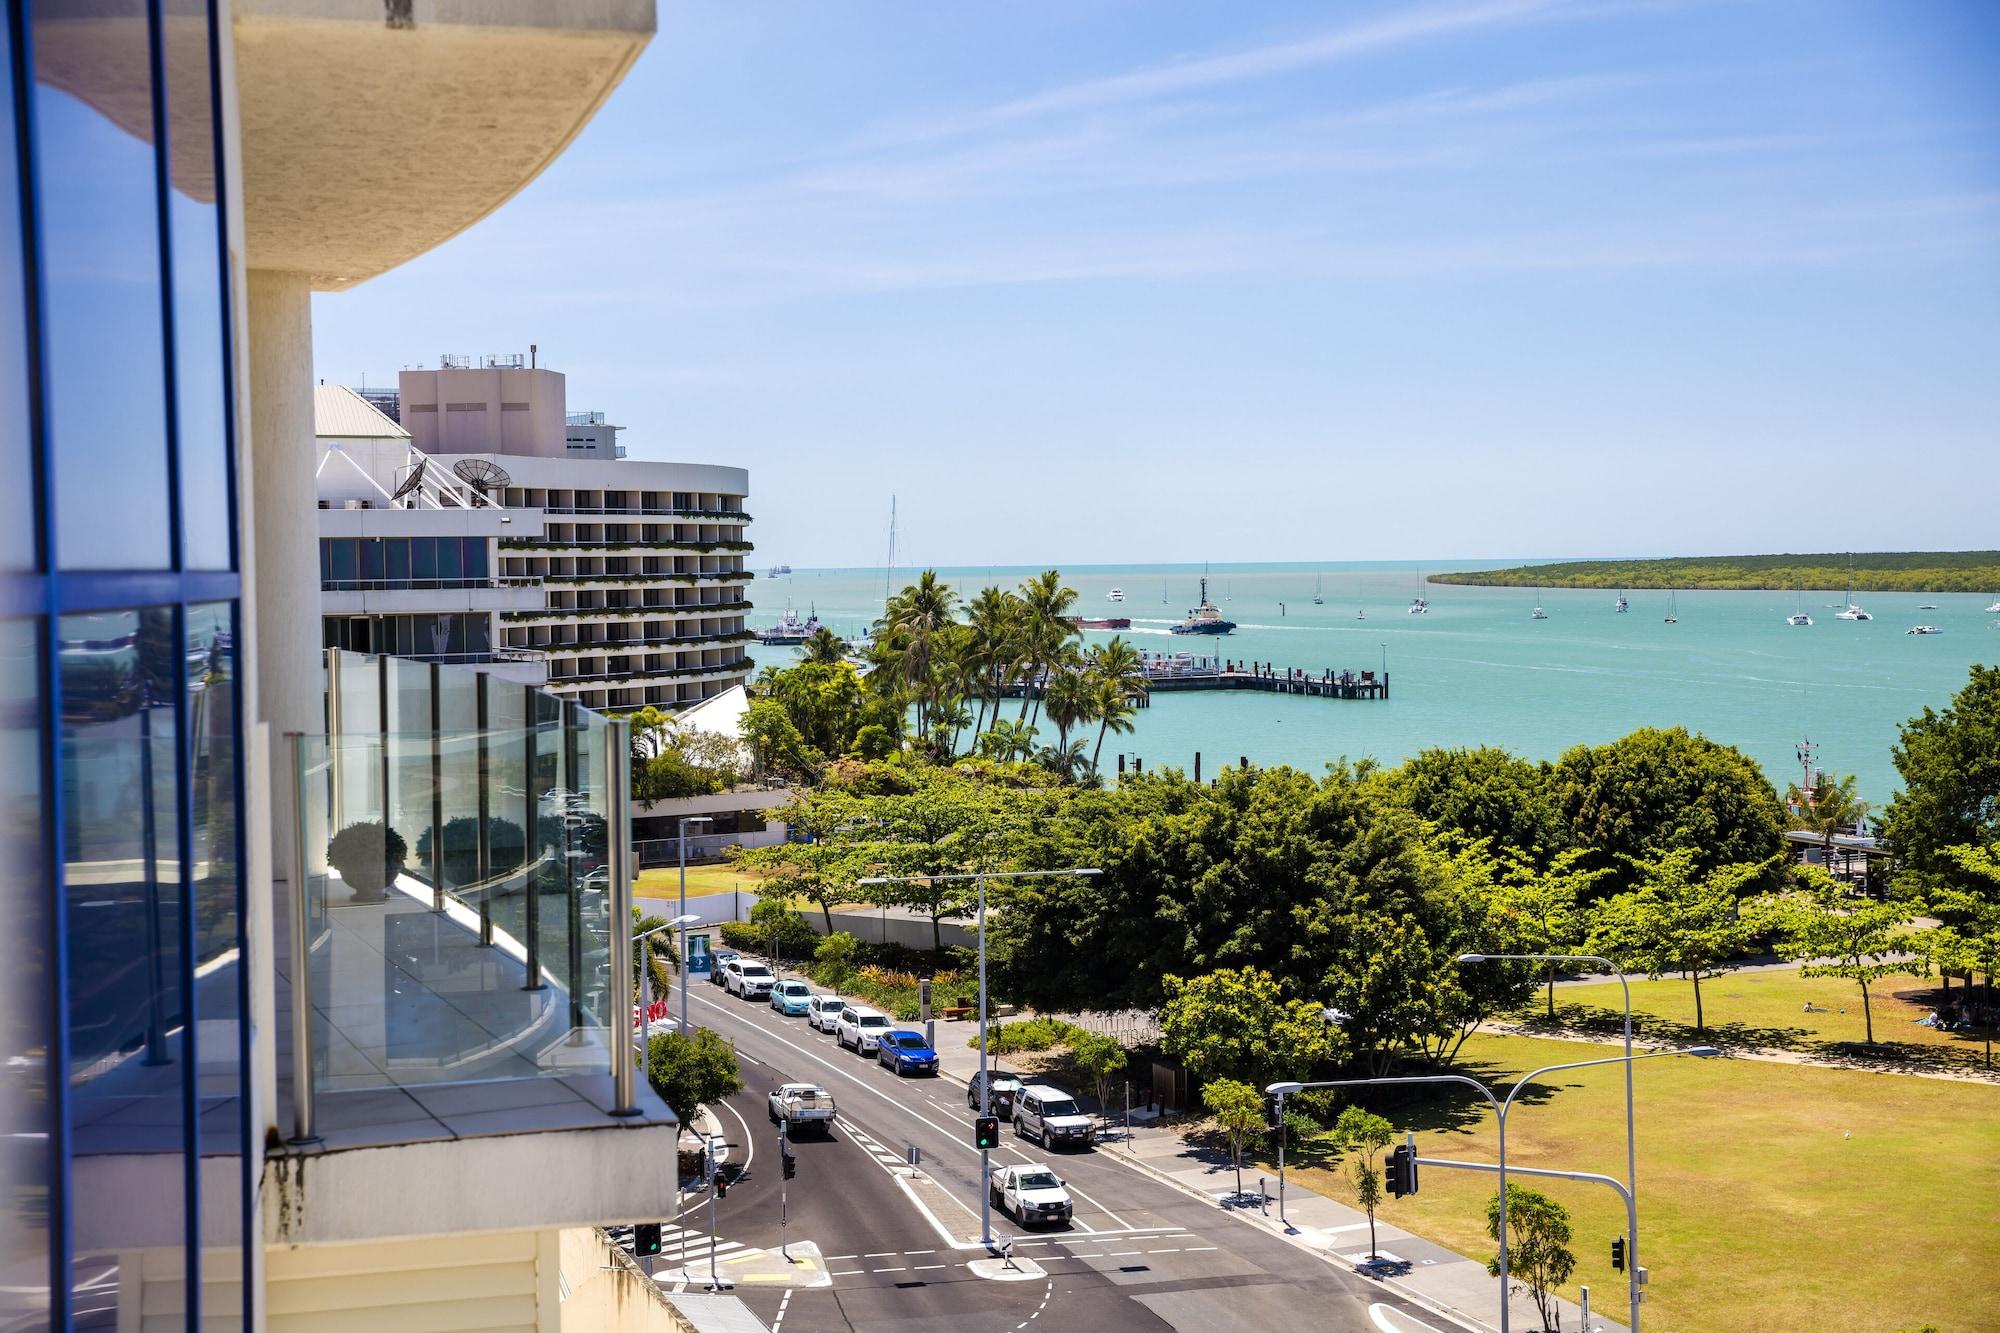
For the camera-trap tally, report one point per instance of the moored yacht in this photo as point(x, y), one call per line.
point(1852, 612)
point(1623, 606)
point(1205, 618)
point(1798, 618)
point(791, 631)
point(1115, 595)
point(1994, 610)
point(1924, 629)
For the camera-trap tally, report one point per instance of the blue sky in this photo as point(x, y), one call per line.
point(1099, 281)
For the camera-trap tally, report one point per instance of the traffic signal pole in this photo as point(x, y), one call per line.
point(784, 1195)
point(985, 1084)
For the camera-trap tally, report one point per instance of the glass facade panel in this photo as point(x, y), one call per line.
point(17, 473)
point(125, 918)
point(105, 357)
point(201, 294)
point(26, 1167)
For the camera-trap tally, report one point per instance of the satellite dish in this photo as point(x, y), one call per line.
point(481, 474)
point(411, 482)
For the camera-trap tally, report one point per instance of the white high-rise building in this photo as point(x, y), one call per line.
point(618, 582)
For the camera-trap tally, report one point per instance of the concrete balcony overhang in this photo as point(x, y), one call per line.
point(370, 137)
point(338, 601)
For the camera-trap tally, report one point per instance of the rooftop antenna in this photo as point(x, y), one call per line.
point(409, 483)
point(482, 474)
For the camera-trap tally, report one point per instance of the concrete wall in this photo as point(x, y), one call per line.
point(607, 1291)
point(486, 411)
point(504, 1281)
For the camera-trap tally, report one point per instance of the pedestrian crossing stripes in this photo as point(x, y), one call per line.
point(678, 1245)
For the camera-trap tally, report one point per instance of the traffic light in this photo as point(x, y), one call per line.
point(1402, 1171)
point(986, 1132)
point(646, 1239)
point(1618, 1254)
point(721, 1184)
point(791, 1165)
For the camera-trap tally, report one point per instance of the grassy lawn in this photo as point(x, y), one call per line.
point(665, 881)
point(1771, 1195)
point(1769, 1009)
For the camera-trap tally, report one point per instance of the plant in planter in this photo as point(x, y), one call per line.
point(368, 856)
point(504, 849)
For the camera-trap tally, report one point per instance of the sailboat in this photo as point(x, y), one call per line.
point(1799, 618)
point(1673, 608)
point(1163, 593)
point(1418, 605)
point(1851, 611)
point(1623, 606)
point(1319, 592)
point(1538, 613)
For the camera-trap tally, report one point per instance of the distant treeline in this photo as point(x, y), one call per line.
point(1881, 571)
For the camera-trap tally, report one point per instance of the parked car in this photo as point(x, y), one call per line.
point(791, 998)
point(1051, 1118)
point(717, 961)
point(860, 1028)
point(802, 1108)
point(906, 1052)
point(748, 979)
point(823, 1012)
point(1006, 1087)
point(1032, 1194)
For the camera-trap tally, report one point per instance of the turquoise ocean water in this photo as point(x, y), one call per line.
point(1477, 670)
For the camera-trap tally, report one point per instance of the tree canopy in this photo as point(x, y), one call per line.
point(1950, 764)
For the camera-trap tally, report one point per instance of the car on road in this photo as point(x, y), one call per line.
point(802, 1108)
point(717, 961)
point(791, 998)
point(747, 978)
point(1006, 1087)
point(1051, 1117)
point(861, 1028)
point(823, 1012)
point(1031, 1194)
point(906, 1052)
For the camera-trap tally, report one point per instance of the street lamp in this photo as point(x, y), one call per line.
point(985, 1084)
point(1500, 1108)
point(681, 846)
point(646, 973)
point(1631, 1138)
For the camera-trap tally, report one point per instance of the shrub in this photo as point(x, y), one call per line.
point(368, 856)
point(506, 849)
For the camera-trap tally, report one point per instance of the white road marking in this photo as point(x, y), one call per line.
point(844, 1272)
point(1379, 1314)
point(925, 1268)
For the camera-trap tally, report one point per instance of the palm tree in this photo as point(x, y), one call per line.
point(916, 616)
point(1120, 676)
point(822, 647)
point(1048, 628)
point(1830, 807)
point(1069, 696)
point(1008, 741)
point(995, 620)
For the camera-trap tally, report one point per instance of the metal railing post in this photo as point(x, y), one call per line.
point(618, 850)
point(302, 1081)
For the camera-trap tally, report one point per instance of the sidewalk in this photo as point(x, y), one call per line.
point(1424, 1272)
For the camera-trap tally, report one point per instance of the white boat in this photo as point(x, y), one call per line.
point(1359, 614)
point(1673, 608)
point(789, 632)
point(1319, 593)
point(1926, 606)
point(1850, 611)
point(1799, 618)
point(1923, 629)
point(1538, 613)
point(1115, 595)
point(1419, 605)
point(1623, 606)
point(1993, 610)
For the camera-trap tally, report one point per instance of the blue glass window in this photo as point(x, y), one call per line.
point(125, 918)
point(26, 1167)
point(201, 293)
point(105, 356)
point(17, 473)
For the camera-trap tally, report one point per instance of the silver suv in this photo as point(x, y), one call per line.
point(1051, 1117)
point(861, 1028)
point(747, 978)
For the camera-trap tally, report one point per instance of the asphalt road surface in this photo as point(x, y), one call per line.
point(1139, 1254)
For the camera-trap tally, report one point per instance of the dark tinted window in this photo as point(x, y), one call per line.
point(105, 349)
point(25, 1169)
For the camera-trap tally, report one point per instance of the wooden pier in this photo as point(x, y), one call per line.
point(1165, 674)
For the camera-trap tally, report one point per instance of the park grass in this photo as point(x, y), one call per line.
point(665, 881)
point(1768, 1009)
point(1774, 1196)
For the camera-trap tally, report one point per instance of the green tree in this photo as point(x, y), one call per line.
point(1238, 1109)
point(1546, 908)
point(658, 952)
point(1967, 937)
point(1007, 740)
point(1068, 697)
point(691, 1070)
point(1857, 940)
point(1538, 1254)
point(1829, 807)
point(1660, 790)
point(1677, 920)
point(915, 620)
point(1046, 628)
point(1950, 765)
point(1235, 1023)
point(1483, 792)
point(1100, 1058)
point(833, 960)
point(1120, 682)
point(994, 621)
point(822, 648)
point(775, 743)
point(1364, 1135)
point(783, 933)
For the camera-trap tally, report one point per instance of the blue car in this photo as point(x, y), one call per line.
point(907, 1052)
point(791, 998)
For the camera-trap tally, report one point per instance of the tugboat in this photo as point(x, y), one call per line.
point(1203, 619)
point(791, 631)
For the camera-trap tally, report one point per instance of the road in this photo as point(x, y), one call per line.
point(1139, 1254)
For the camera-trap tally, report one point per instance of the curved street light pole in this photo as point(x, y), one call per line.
point(681, 846)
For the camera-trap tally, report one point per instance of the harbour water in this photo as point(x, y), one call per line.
point(1478, 670)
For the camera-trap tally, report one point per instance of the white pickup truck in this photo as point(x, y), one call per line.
point(802, 1108)
point(1032, 1194)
